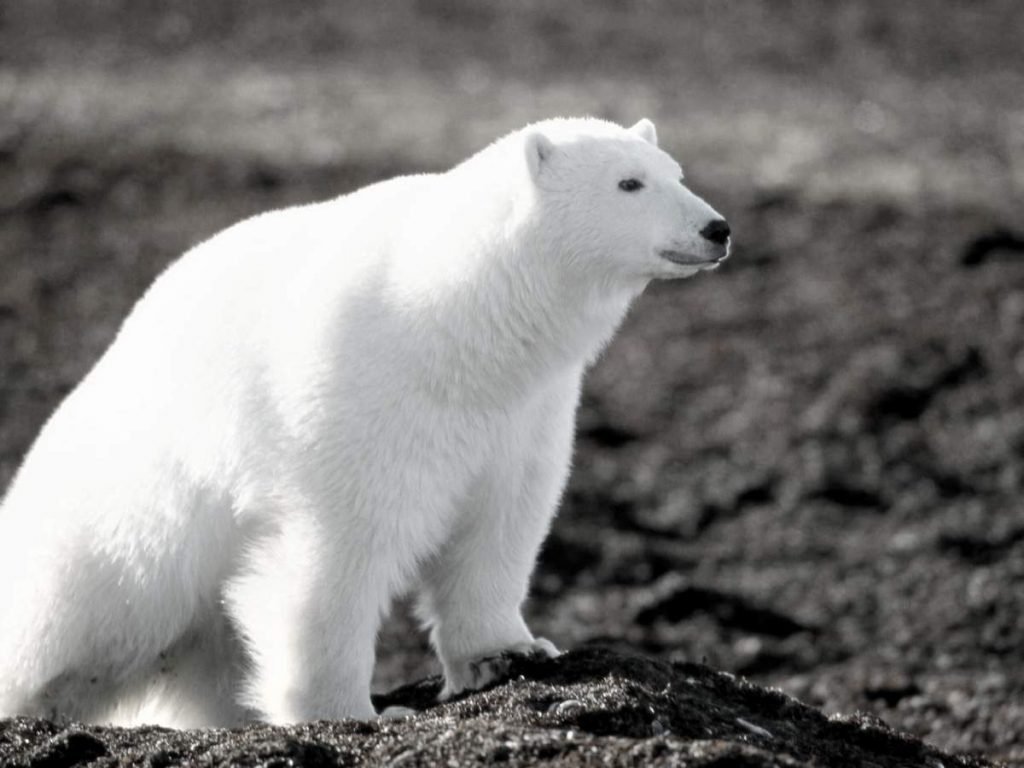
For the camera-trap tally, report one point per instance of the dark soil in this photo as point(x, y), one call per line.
point(591, 707)
point(806, 468)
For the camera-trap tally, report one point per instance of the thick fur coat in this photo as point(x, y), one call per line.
point(318, 409)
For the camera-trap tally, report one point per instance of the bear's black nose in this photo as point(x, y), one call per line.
point(717, 231)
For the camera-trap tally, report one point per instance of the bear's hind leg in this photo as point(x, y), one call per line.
point(70, 641)
point(195, 683)
point(77, 694)
point(90, 607)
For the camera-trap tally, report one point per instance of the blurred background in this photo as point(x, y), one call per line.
point(806, 467)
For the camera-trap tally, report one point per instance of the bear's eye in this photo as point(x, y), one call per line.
point(631, 185)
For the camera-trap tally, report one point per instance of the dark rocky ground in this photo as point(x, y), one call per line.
point(588, 708)
point(806, 468)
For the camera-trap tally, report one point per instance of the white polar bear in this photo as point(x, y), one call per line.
point(323, 407)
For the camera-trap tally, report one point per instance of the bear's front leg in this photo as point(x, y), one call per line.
point(474, 673)
point(309, 609)
point(474, 607)
point(475, 586)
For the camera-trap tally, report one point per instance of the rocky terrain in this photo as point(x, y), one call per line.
point(586, 708)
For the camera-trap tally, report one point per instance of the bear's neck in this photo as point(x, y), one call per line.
point(518, 323)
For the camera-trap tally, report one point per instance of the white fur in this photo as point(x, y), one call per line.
point(320, 408)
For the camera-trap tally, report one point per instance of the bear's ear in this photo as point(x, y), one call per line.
point(538, 152)
point(645, 129)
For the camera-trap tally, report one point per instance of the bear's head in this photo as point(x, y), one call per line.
point(618, 202)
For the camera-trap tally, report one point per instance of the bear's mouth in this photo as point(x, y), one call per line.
point(689, 260)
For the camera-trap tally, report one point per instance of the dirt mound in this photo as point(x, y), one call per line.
point(589, 707)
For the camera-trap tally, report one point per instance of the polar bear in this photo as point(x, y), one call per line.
point(323, 407)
